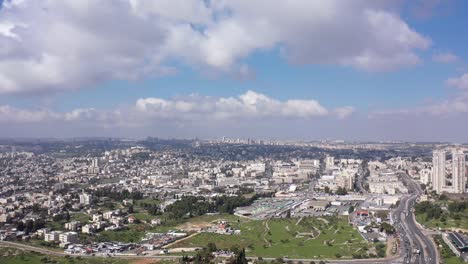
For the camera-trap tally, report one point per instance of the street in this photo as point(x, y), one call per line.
point(416, 247)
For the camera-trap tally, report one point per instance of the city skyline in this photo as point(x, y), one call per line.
point(371, 71)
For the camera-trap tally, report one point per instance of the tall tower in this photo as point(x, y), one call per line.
point(438, 170)
point(329, 162)
point(458, 171)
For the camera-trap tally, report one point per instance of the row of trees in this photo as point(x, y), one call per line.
point(190, 206)
point(117, 195)
point(457, 210)
point(432, 211)
point(339, 191)
point(457, 207)
point(206, 255)
point(30, 226)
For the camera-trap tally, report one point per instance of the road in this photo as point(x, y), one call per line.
point(62, 254)
point(412, 237)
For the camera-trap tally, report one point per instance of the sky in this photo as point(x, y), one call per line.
point(292, 69)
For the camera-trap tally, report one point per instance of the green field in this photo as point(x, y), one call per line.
point(15, 256)
point(310, 238)
point(144, 216)
point(82, 217)
point(436, 223)
point(59, 225)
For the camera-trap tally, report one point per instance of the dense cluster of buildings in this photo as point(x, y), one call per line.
point(48, 188)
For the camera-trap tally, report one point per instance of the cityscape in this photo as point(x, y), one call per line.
point(233, 132)
point(169, 199)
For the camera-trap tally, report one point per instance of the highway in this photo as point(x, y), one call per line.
point(416, 246)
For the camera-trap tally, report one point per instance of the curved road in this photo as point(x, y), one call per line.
point(415, 240)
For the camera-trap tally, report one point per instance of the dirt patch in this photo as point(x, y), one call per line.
point(390, 243)
point(180, 240)
point(194, 226)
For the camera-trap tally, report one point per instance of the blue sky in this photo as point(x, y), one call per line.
point(86, 77)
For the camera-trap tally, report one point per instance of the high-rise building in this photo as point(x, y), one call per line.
point(438, 170)
point(441, 181)
point(458, 171)
point(95, 163)
point(94, 168)
point(329, 162)
point(85, 198)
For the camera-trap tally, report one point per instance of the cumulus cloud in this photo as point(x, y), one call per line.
point(55, 45)
point(250, 105)
point(459, 82)
point(14, 115)
point(446, 57)
point(205, 110)
point(9, 114)
point(344, 112)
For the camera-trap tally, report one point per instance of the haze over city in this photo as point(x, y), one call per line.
point(352, 70)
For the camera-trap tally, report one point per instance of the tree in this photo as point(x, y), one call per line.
point(240, 257)
point(20, 226)
point(235, 249)
point(432, 211)
point(203, 256)
point(388, 228)
point(184, 260)
point(130, 209)
point(212, 247)
point(351, 209)
point(341, 191)
point(456, 207)
point(327, 189)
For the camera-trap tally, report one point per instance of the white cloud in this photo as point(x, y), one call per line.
point(247, 108)
point(52, 45)
point(249, 105)
point(9, 114)
point(459, 82)
point(446, 57)
point(444, 108)
point(344, 112)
